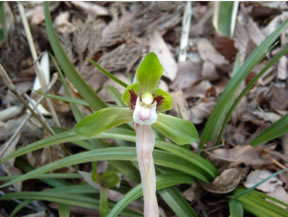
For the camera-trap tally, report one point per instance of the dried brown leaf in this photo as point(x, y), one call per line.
point(202, 110)
point(158, 45)
point(91, 8)
point(188, 73)
point(226, 182)
point(242, 154)
point(257, 176)
point(180, 105)
point(209, 53)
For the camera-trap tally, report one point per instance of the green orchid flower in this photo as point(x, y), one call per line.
point(146, 102)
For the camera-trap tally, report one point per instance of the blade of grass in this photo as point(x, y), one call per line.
point(85, 90)
point(117, 153)
point(194, 159)
point(247, 88)
point(63, 198)
point(277, 129)
point(3, 29)
point(19, 207)
point(108, 74)
point(64, 210)
point(235, 209)
point(224, 103)
point(177, 202)
point(162, 181)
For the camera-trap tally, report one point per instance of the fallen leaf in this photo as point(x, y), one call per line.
point(158, 45)
point(280, 194)
point(62, 23)
point(91, 8)
point(180, 105)
point(199, 90)
point(242, 154)
point(282, 72)
point(209, 71)
point(267, 116)
point(226, 47)
point(226, 182)
point(201, 111)
point(257, 176)
point(209, 53)
point(37, 15)
point(188, 73)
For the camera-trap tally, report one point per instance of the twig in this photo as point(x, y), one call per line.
point(28, 115)
point(185, 32)
point(12, 88)
point(38, 70)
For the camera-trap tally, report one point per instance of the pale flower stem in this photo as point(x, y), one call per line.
point(145, 142)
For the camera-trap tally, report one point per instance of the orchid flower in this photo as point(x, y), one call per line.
point(145, 102)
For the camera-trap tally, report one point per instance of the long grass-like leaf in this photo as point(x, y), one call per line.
point(207, 168)
point(85, 90)
point(63, 198)
point(108, 74)
point(177, 202)
point(220, 110)
point(162, 181)
point(277, 129)
point(247, 88)
point(118, 153)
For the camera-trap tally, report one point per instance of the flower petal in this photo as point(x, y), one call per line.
point(149, 73)
point(166, 100)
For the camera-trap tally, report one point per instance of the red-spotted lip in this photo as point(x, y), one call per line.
point(133, 98)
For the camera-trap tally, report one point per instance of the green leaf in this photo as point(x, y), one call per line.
point(220, 110)
point(277, 129)
point(149, 73)
point(178, 130)
point(3, 29)
point(63, 198)
point(177, 202)
point(207, 168)
point(76, 112)
point(246, 90)
point(235, 208)
point(255, 203)
point(85, 90)
point(162, 181)
point(108, 74)
point(126, 97)
point(66, 99)
point(167, 103)
point(103, 120)
point(225, 17)
point(116, 95)
point(161, 158)
point(64, 210)
point(19, 207)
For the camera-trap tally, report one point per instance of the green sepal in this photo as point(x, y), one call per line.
point(126, 96)
point(103, 120)
point(167, 102)
point(149, 73)
point(178, 130)
point(109, 179)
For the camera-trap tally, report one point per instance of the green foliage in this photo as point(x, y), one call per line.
point(103, 120)
point(3, 29)
point(277, 129)
point(178, 130)
point(84, 89)
point(235, 208)
point(223, 105)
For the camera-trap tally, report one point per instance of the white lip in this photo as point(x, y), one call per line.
point(145, 115)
